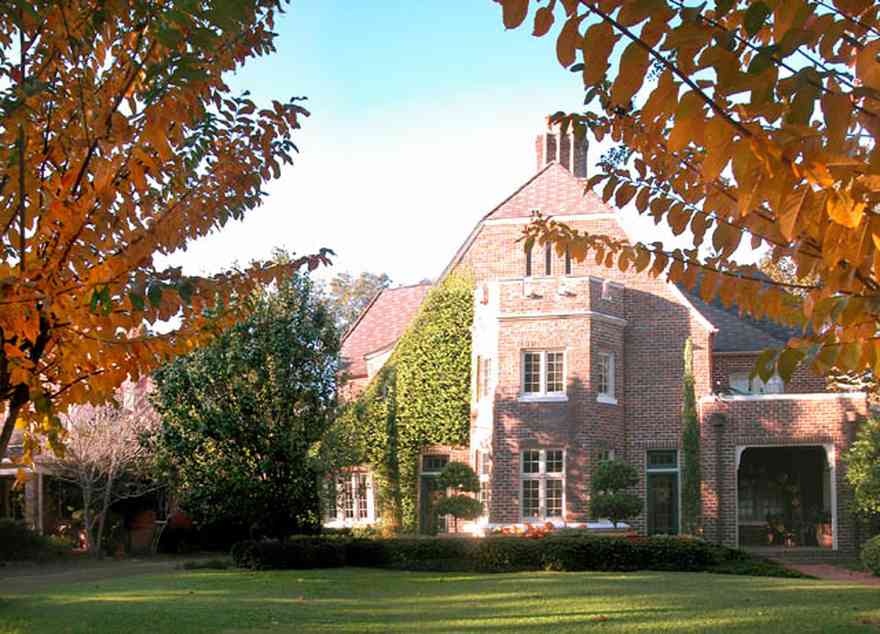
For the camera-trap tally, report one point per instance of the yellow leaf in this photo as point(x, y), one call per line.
point(568, 40)
point(513, 12)
point(843, 210)
point(689, 122)
point(787, 215)
point(867, 65)
point(719, 139)
point(663, 99)
point(599, 41)
point(633, 68)
point(624, 194)
point(543, 21)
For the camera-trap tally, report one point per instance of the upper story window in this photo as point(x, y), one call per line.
point(606, 379)
point(742, 383)
point(484, 376)
point(543, 373)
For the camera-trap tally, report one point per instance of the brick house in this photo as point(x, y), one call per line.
point(573, 362)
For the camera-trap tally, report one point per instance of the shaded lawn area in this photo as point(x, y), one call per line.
point(367, 600)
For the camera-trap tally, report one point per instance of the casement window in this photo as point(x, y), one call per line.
point(482, 467)
point(529, 263)
point(548, 259)
point(353, 499)
point(543, 373)
point(606, 379)
point(604, 454)
point(743, 383)
point(484, 376)
point(543, 484)
point(568, 260)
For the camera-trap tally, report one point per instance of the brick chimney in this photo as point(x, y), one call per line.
point(565, 149)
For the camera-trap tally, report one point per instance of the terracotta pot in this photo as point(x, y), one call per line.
point(825, 535)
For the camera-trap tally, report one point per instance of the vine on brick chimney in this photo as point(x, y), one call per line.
point(691, 502)
point(421, 397)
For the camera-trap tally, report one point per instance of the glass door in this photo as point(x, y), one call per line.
point(663, 503)
point(662, 484)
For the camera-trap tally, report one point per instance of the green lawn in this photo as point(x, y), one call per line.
point(361, 600)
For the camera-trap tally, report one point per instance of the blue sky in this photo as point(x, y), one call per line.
point(423, 118)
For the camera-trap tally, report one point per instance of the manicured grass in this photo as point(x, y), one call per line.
point(367, 600)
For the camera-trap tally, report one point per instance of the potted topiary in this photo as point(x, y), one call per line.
point(611, 479)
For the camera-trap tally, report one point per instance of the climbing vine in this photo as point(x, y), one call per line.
point(690, 442)
point(421, 397)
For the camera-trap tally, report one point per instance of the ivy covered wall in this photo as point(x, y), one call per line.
point(420, 397)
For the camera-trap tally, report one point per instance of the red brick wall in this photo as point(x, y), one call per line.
point(649, 366)
point(784, 422)
point(804, 381)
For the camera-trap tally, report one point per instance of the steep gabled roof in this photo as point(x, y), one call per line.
point(553, 191)
point(381, 324)
point(739, 333)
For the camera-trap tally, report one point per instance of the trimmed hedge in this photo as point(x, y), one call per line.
point(489, 554)
point(871, 555)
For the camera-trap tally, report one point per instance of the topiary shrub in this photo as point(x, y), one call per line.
point(871, 555)
point(611, 479)
point(460, 478)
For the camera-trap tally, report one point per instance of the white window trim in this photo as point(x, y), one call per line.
point(609, 397)
point(340, 520)
point(542, 477)
point(542, 396)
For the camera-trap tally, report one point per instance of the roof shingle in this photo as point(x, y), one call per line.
point(554, 192)
point(381, 324)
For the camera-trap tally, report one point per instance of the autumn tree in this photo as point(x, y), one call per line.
point(348, 296)
point(121, 141)
point(747, 122)
point(107, 455)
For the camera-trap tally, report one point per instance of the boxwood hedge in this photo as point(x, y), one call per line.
point(492, 554)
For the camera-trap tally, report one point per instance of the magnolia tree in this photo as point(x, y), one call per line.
point(743, 123)
point(120, 140)
point(106, 455)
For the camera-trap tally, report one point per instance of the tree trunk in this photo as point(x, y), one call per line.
point(13, 407)
point(105, 504)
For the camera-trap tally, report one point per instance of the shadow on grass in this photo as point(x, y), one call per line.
point(357, 600)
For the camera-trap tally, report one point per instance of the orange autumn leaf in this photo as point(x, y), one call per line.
point(756, 124)
point(122, 141)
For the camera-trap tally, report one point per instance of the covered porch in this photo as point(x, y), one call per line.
point(786, 497)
